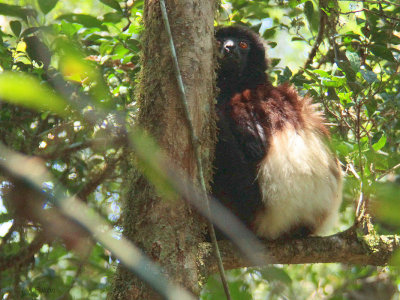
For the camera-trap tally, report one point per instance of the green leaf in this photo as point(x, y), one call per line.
point(16, 27)
point(382, 52)
point(276, 274)
point(47, 5)
point(274, 62)
point(112, 17)
point(344, 148)
point(332, 95)
point(69, 28)
point(287, 72)
point(369, 76)
point(360, 21)
point(85, 20)
point(348, 70)
point(270, 32)
point(309, 10)
point(25, 90)
point(322, 73)
point(294, 3)
point(16, 11)
point(113, 4)
point(380, 139)
point(5, 217)
point(333, 81)
point(294, 39)
point(354, 59)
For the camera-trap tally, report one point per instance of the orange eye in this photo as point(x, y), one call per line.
point(243, 45)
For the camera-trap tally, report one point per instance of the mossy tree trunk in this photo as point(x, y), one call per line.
point(169, 231)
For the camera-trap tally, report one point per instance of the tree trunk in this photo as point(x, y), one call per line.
point(169, 231)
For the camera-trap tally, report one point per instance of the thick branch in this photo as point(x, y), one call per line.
point(344, 247)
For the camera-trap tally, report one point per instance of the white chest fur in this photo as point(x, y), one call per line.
point(298, 184)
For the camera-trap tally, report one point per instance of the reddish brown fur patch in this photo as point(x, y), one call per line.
point(276, 106)
point(247, 95)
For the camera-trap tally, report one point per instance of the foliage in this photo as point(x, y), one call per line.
point(77, 71)
point(67, 87)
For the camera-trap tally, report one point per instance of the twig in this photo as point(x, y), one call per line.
point(98, 178)
point(67, 150)
point(370, 11)
point(322, 23)
point(353, 171)
point(373, 2)
point(127, 15)
point(195, 143)
point(388, 171)
point(360, 203)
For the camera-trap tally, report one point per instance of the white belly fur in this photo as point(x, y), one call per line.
point(297, 183)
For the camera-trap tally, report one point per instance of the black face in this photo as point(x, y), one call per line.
point(242, 62)
point(233, 53)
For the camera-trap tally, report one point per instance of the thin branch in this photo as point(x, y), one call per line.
point(353, 171)
point(116, 142)
point(98, 178)
point(370, 11)
point(195, 142)
point(127, 15)
point(360, 204)
point(67, 150)
point(112, 63)
point(373, 2)
point(388, 171)
point(321, 30)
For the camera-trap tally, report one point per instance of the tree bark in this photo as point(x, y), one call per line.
point(169, 231)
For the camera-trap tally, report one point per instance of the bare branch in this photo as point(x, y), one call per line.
point(322, 23)
point(344, 247)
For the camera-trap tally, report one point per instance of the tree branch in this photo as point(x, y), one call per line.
point(374, 2)
point(344, 247)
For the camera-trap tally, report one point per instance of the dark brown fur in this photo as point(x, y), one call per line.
point(251, 113)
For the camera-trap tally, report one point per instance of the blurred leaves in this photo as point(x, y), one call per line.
point(65, 80)
point(22, 89)
point(16, 11)
point(387, 204)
